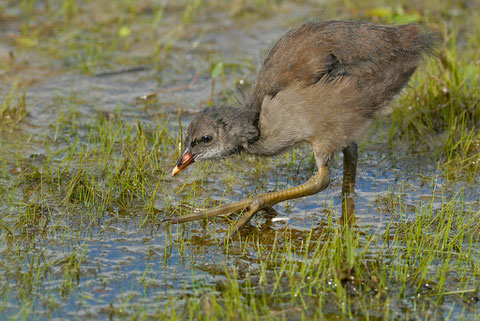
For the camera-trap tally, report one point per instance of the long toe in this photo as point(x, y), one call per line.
point(256, 205)
point(228, 209)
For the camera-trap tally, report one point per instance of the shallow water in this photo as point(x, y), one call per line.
point(125, 261)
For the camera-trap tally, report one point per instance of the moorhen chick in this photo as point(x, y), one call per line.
point(320, 84)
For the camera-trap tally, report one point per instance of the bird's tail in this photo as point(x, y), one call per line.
point(418, 40)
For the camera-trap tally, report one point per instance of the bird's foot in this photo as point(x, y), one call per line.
point(249, 205)
point(256, 205)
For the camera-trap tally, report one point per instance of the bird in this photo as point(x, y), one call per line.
point(321, 83)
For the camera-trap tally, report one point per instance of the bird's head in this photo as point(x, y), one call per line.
point(216, 132)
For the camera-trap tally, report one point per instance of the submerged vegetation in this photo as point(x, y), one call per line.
point(86, 155)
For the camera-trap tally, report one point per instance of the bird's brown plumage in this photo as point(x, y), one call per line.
point(379, 58)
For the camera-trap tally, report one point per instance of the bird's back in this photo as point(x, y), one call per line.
point(380, 59)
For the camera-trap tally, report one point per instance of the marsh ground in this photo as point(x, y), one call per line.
point(86, 156)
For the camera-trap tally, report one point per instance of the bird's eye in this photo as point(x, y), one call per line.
point(206, 139)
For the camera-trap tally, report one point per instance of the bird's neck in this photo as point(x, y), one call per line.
point(249, 122)
point(241, 127)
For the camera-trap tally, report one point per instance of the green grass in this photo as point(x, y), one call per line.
point(12, 106)
point(442, 111)
point(83, 196)
point(352, 275)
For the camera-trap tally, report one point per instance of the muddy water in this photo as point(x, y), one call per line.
point(124, 262)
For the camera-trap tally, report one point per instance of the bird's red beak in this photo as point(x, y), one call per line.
point(183, 162)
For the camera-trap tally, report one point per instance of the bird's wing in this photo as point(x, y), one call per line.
point(324, 51)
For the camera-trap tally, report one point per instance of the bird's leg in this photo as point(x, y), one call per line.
point(315, 184)
point(350, 156)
